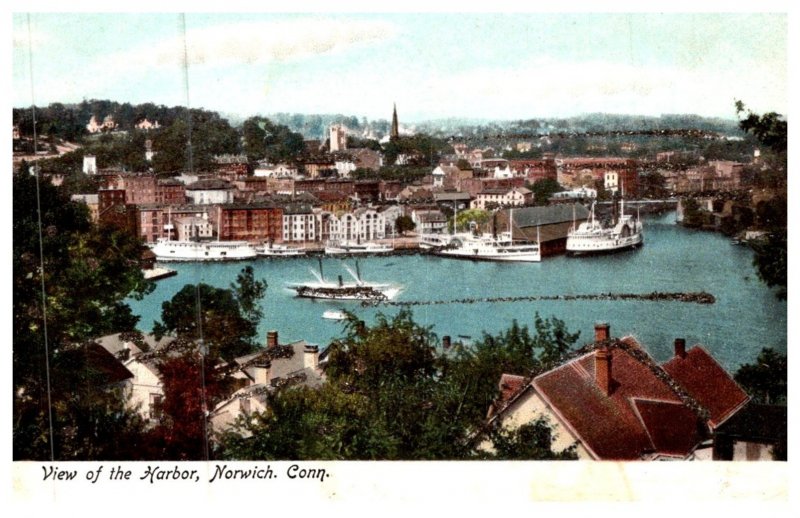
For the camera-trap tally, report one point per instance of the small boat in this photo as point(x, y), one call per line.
point(350, 247)
point(341, 290)
point(271, 250)
point(332, 314)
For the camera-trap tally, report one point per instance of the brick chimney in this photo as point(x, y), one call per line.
point(272, 339)
point(446, 341)
point(601, 332)
point(680, 348)
point(602, 370)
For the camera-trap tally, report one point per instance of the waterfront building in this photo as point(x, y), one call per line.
point(299, 223)
point(151, 218)
point(256, 222)
point(364, 224)
point(191, 228)
point(614, 402)
point(429, 221)
point(549, 225)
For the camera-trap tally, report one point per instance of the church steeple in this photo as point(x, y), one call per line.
point(395, 133)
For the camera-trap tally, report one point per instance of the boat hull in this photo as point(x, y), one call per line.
point(186, 251)
point(598, 247)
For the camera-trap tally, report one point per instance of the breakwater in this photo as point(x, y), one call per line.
point(691, 297)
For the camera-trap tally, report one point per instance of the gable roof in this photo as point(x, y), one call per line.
point(636, 419)
point(708, 383)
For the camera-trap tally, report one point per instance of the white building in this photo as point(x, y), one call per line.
point(338, 138)
point(429, 221)
point(344, 166)
point(280, 170)
point(210, 192)
point(144, 389)
point(299, 224)
point(146, 125)
point(364, 224)
point(191, 227)
point(611, 181)
point(514, 197)
point(89, 164)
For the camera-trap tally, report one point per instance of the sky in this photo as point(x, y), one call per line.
point(433, 65)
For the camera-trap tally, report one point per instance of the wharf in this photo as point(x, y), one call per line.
point(158, 273)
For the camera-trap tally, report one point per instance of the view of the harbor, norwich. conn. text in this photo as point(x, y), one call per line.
point(296, 238)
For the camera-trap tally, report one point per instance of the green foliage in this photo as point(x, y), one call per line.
point(544, 189)
point(420, 150)
point(465, 217)
point(404, 224)
point(531, 441)
point(771, 261)
point(87, 273)
point(653, 185)
point(765, 380)
point(693, 217)
point(228, 320)
point(265, 139)
point(390, 395)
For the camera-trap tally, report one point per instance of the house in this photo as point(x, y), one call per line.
point(279, 170)
point(445, 174)
point(296, 363)
point(366, 158)
point(364, 224)
point(136, 352)
point(146, 125)
point(516, 196)
point(614, 402)
point(210, 192)
point(429, 221)
point(757, 432)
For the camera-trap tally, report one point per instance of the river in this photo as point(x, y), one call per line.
point(745, 317)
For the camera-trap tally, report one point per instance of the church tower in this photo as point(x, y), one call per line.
point(395, 133)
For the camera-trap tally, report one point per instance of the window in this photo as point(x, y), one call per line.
point(156, 406)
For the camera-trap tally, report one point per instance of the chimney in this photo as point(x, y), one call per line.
point(272, 339)
point(601, 332)
point(311, 356)
point(680, 348)
point(602, 370)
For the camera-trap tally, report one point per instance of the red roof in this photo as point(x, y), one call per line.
point(707, 382)
point(641, 416)
point(510, 384)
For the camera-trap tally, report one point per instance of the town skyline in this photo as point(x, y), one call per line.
point(635, 64)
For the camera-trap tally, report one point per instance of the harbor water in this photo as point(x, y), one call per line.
point(745, 317)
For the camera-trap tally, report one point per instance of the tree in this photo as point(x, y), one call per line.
point(531, 441)
point(229, 318)
point(466, 217)
point(404, 224)
point(83, 275)
point(765, 380)
point(544, 189)
point(770, 258)
point(391, 395)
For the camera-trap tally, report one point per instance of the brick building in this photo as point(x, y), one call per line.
point(261, 221)
point(578, 171)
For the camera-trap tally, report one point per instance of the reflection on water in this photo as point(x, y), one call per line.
point(745, 318)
